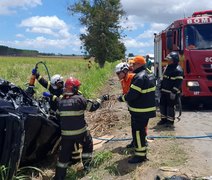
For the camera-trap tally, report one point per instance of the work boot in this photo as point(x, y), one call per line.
point(137, 159)
point(131, 145)
point(170, 124)
point(162, 122)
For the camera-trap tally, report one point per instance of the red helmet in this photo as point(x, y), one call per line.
point(71, 85)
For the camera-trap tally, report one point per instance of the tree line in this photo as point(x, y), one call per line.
point(7, 51)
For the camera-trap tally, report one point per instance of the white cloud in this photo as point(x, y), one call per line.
point(19, 35)
point(154, 28)
point(53, 34)
point(50, 25)
point(41, 30)
point(154, 16)
point(44, 21)
point(163, 11)
point(44, 44)
point(136, 43)
point(132, 23)
point(10, 6)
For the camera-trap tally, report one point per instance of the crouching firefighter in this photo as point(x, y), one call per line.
point(73, 126)
point(170, 89)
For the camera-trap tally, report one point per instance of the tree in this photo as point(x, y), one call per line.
point(101, 18)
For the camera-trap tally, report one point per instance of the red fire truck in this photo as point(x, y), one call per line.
point(192, 38)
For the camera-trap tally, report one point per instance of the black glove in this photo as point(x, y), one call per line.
point(120, 98)
point(105, 97)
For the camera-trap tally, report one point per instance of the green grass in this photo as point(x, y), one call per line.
point(99, 159)
point(18, 71)
point(24, 173)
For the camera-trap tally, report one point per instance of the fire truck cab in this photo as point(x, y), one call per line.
point(192, 38)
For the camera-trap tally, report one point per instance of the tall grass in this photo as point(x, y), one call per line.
point(18, 71)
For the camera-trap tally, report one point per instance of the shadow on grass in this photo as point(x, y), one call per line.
point(123, 151)
point(158, 128)
point(124, 168)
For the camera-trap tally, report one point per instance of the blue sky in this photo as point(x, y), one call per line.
point(46, 26)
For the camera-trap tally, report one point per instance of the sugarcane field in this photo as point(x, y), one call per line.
point(30, 133)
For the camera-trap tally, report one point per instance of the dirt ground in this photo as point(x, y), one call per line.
point(190, 158)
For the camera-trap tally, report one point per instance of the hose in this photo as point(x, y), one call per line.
point(30, 90)
point(155, 137)
point(41, 62)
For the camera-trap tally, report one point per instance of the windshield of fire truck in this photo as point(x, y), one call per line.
point(198, 36)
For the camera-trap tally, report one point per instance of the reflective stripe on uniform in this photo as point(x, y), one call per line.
point(138, 139)
point(165, 90)
point(62, 165)
point(177, 77)
point(89, 105)
point(76, 157)
point(123, 98)
point(168, 91)
point(170, 118)
point(48, 85)
point(143, 91)
point(149, 71)
point(176, 89)
point(54, 98)
point(99, 101)
point(71, 113)
point(162, 116)
point(140, 154)
point(173, 78)
point(76, 152)
point(142, 109)
point(135, 88)
point(87, 155)
point(73, 132)
point(39, 77)
point(76, 147)
point(141, 149)
point(148, 90)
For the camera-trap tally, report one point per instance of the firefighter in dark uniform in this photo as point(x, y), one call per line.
point(73, 126)
point(141, 104)
point(55, 87)
point(170, 89)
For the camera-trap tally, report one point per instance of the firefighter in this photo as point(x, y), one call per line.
point(122, 71)
point(55, 87)
point(170, 89)
point(125, 77)
point(148, 62)
point(141, 103)
point(73, 125)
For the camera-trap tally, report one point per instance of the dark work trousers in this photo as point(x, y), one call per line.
point(167, 107)
point(139, 125)
point(132, 131)
point(65, 153)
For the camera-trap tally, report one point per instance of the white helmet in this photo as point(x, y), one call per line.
point(121, 67)
point(56, 79)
